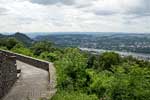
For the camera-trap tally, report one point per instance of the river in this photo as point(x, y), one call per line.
point(136, 55)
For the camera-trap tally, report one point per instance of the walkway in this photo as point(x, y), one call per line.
point(32, 84)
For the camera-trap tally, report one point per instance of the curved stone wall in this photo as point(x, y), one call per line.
point(29, 60)
point(45, 65)
point(8, 73)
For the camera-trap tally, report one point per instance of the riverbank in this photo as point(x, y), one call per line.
point(135, 55)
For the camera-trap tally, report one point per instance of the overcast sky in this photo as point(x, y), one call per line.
point(75, 15)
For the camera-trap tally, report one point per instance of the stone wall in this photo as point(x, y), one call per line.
point(8, 73)
point(29, 60)
point(48, 66)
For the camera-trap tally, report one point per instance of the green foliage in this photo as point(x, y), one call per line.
point(2, 42)
point(62, 95)
point(11, 42)
point(125, 83)
point(88, 77)
point(133, 84)
point(100, 83)
point(27, 41)
point(91, 61)
point(105, 61)
point(41, 46)
point(49, 56)
point(132, 61)
point(71, 69)
point(3, 47)
point(19, 48)
point(18, 36)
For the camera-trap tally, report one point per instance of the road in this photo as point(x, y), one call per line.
point(33, 84)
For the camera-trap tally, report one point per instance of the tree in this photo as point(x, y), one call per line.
point(49, 56)
point(11, 42)
point(19, 48)
point(107, 60)
point(41, 46)
point(91, 60)
point(71, 69)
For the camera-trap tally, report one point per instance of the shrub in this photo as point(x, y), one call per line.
point(19, 48)
point(62, 95)
point(71, 69)
point(41, 46)
point(49, 56)
point(11, 42)
point(107, 59)
point(124, 83)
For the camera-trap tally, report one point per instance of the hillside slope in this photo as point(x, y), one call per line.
point(19, 36)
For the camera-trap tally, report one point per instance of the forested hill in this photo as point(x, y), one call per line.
point(19, 36)
point(139, 43)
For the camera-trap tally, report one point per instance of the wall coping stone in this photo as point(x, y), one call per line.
point(24, 56)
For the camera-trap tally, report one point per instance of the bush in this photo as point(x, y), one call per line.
point(62, 95)
point(49, 56)
point(11, 42)
point(71, 70)
point(104, 61)
point(124, 83)
point(41, 46)
point(19, 48)
point(107, 59)
point(133, 84)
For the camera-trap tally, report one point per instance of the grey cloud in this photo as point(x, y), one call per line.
point(99, 12)
point(49, 2)
point(3, 11)
point(142, 10)
point(137, 11)
point(104, 13)
point(83, 6)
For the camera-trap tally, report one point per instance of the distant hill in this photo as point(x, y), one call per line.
point(1, 36)
point(130, 42)
point(19, 36)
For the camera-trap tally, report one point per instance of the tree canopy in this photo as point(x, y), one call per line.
point(84, 76)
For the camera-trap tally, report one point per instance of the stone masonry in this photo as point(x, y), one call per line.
point(8, 73)
point(37, 77)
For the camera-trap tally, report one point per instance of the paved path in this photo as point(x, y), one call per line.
point(32, 84)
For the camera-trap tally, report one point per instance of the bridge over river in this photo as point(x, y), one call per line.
point(33, 82)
